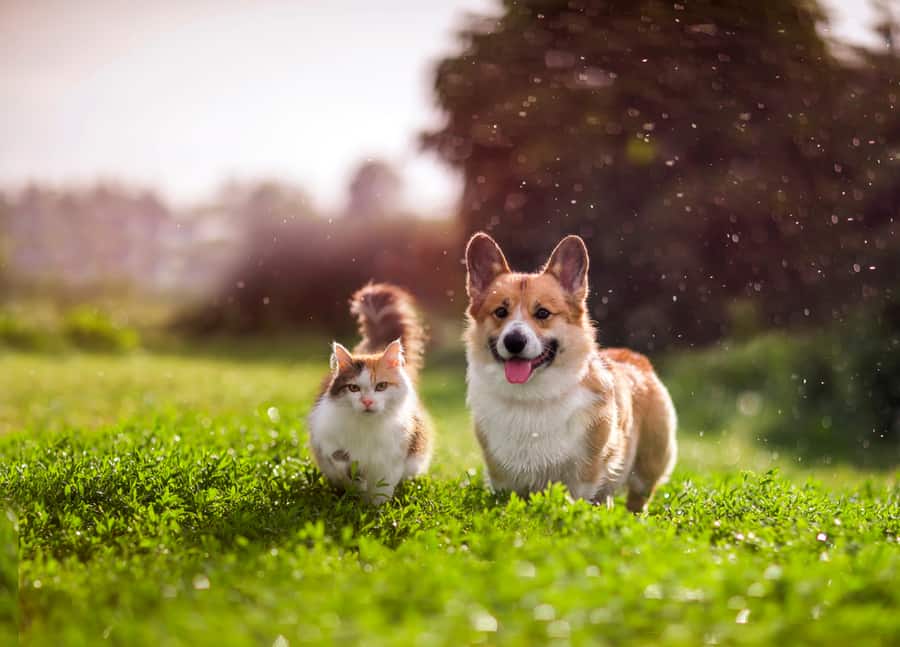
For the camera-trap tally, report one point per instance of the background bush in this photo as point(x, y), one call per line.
point(84, 327)
point(826, 394)
point(91, 329)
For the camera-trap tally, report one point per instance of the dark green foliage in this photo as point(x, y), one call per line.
point(707, 152)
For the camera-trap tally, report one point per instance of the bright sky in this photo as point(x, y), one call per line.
point(181, 95)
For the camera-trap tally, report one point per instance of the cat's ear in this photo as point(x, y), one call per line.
point(393, 354)
point(341, 358)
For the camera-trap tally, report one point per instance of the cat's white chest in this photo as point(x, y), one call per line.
point(376, 445)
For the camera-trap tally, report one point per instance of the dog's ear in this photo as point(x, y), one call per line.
point(569, 264)
point(484, 263)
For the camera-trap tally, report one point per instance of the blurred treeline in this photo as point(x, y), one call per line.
point(257, 257)
point(730, 170)
point(76, 244)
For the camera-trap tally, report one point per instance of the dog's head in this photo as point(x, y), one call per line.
point(528, 329)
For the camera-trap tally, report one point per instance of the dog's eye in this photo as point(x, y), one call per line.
point(542, 313)
point(381, 386)
point(353, 388)
point(501, 312)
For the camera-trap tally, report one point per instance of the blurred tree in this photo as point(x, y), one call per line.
point(269, 216)
point(705, 151)
point(374, 191)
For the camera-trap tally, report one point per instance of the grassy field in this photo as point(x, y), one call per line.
point(168, 499)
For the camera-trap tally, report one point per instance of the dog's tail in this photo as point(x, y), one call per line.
point(385, 312)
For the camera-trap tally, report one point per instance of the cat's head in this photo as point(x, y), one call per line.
point(369, 384)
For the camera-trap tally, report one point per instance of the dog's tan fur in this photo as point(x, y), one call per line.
point(600, 419)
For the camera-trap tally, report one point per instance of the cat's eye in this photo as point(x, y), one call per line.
point(381, 386)
point(542, 313)
point(353, 388)
point(501, 312)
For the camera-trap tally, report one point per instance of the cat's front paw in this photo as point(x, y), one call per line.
point(340, 456)
point(380, 495)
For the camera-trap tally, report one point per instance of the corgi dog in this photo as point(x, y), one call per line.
point(368, 430)
point(548, 404)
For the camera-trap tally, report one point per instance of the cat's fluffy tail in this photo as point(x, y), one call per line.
point(385, 312)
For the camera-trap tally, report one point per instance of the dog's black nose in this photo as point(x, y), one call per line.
point(514, 342)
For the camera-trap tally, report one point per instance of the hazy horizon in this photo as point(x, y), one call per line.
point(180, 98)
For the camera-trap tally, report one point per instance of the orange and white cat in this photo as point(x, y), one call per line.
point(368, 430)
point(548, 404)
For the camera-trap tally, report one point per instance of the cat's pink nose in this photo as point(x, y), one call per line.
point(367, 402)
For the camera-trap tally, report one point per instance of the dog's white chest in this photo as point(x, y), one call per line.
point(531, 443)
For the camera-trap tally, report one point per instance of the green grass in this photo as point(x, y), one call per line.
point(9, 578)
point(160, 502)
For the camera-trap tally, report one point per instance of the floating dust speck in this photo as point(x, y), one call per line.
point(526, 569)
point(653, 592)
point(544, 612)
point(558, 629)
point(483, 621)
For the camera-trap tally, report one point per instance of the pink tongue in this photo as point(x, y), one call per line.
point(518, 370)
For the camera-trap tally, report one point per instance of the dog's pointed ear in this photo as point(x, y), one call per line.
point(569, 264)
point(484, 263)
point(341, 358)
